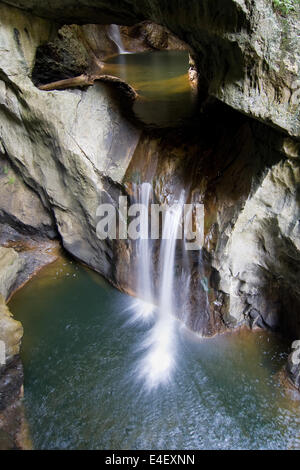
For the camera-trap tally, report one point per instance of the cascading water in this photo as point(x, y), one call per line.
point(145, 267)
point(158, 361)
point(143, 307)
point(115, 36)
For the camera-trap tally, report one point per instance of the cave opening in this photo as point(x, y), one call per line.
point(149, 59)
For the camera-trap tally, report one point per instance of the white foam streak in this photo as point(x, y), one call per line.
point(115, 36)
point(158, 362)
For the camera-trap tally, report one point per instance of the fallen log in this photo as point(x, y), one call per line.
point(89, 80)
point(74, 82)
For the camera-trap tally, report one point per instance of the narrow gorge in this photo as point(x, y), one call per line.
point(150, 104)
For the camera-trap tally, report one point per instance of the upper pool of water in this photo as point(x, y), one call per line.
point(161, 80)
point(80, 353)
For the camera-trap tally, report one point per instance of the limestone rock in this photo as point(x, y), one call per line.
point(13, 429)
point(71, 147)
point(20, 206)
point(262, 252)
point(10, 265)
point(11, 331)
point(150, 36)
point(293, 365)
point(74, 147)
point(247, 54)
point(61, 58)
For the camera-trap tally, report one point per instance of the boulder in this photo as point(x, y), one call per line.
point(10, 266)
point(11, 332)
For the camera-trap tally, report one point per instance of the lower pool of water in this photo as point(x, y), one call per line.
point(80, 353)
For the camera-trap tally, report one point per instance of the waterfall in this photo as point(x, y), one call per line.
point(158, 361)
point(115, 36)
point(160, 281)
point(145, 266)
point(143, 307)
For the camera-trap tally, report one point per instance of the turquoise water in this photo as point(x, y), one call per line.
point(81, 392)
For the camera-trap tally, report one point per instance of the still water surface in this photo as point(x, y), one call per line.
point(161, 80)
point(80, 354)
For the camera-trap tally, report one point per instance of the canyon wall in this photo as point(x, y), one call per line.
point(11, 371)
point(248, 58)
point(73, 149)
point(65, 152)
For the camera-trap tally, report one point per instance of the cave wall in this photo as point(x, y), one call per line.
point(54, 175)
point(246, 53)
point(74, 50)
point(47, 137)
point(246, 174)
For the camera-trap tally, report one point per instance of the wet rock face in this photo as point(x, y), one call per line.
point(293, 365)
point(246, 53)
point(150, 36)
point(10, 266)
point(12, 420)
point(20, 206)
point(261, 258)
point(11, 332)
point(11, 371)
point(75, 149)
point(74, 50)
point(71, 147)
point(249, 185)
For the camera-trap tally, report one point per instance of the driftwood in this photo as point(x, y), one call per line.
point(89, 80)
point(74, 82)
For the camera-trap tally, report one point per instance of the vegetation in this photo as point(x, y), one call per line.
point(285, 6)
point(10, 179)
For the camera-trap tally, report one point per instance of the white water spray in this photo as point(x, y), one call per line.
point(115, 36)
point(158, 362)
point(144, 307)
point(145, 267)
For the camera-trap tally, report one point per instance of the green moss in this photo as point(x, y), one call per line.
point(285, 6)
point(11, 180)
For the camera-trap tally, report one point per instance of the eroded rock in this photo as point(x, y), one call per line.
point(20, 206)
point(11, 331)
point(293, 365)
point(150, 36)
point(11, 381)
point(10, 266)
point(262, 253)
point(246, 53)
point(72, 147)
